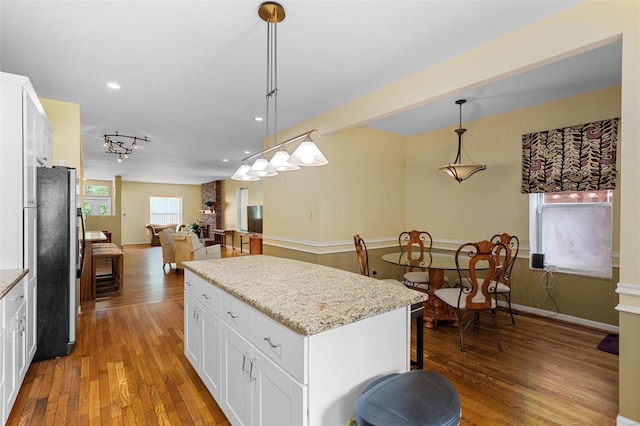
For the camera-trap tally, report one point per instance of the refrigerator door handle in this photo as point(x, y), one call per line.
point(81, 216)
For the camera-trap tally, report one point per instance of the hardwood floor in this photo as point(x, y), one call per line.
point(128, 366)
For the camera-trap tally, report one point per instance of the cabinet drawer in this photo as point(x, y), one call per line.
point(237, 315)
point(283, 346)
point(12, 302)
point(206, 293)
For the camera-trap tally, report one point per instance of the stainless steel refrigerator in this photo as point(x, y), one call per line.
point(60, 244)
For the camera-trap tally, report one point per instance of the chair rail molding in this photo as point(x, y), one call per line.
point(629, 298)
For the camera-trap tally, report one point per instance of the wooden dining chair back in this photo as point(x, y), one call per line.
point(417, 247)
point(469, 301)
point(362, 255)
point(503, 287)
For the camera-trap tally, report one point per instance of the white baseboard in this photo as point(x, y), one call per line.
point(563, 317)
point(623, 421)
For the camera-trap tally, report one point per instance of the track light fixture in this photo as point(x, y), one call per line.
point(121, 145)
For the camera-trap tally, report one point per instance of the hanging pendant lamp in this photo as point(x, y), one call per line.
point(307, 154)
point(458, 170)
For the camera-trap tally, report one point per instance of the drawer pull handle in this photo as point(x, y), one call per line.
point(232, 315)
point(206, 296)
point(188, 283)
point(251, 376)
point(244, 362)
point(274, 346)
point(18, 297)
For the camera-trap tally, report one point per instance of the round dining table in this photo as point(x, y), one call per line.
point(436, 264)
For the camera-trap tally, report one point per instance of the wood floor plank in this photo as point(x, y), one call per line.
point(128, 366)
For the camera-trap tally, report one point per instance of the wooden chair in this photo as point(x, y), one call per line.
point(468, 302)
point(417, 245)
point(363, 259)
point(503, 287)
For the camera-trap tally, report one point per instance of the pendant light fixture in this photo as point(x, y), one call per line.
point(458, 170)
point(307, 153)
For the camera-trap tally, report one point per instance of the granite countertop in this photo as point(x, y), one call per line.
point(305, 297)
point(9, 278)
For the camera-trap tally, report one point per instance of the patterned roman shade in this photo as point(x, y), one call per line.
point(578, 158)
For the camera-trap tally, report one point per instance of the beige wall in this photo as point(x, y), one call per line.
point(135, 207)
point(229, 190)
point(361, 190)
point(67, 137)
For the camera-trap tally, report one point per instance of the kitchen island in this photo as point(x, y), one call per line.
point(278, 341)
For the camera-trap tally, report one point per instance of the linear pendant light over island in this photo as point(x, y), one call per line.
point(307, 153)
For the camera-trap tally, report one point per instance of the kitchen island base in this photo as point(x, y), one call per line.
point(261, 372)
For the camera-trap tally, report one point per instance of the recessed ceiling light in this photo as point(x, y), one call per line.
point(258, 118)
point(225, 160)
point(247, 152)
point(112, 85)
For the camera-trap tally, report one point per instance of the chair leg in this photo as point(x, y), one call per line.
point(494, 315)
point(460, 333)
point(508, 296)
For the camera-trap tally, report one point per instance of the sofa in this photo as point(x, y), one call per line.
point(155, 229)
point(166, 241)
point(187, 247)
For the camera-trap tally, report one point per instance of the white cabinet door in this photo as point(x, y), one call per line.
point(10, 372)
point(211, 365)
point(21, 344)
point(236, 358)
point(30, 146)
point(3, 411)
point(31, 296)
point(277, 398)
point(192, 331)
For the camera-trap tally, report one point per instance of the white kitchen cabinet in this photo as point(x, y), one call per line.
point(211, 367)
point(15, 342)
point(202, 334)
point(192, 331)
point(236, 394)
point(274, 376)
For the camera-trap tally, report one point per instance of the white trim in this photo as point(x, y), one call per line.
point(628, 289)
point(631, 290)
point(563, 317)
point(623, 421)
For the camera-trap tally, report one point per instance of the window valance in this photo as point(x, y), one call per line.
point(577, 158)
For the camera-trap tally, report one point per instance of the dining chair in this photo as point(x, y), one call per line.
point(469, 302)
point(503, 287)
point(363, 259)
point(416, 245)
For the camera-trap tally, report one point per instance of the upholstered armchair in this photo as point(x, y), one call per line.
point(166, 241)
point(187, 247)
point(155, 229)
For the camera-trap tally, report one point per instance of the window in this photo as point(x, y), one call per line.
point(573, 230)
point(97, 206)
point(165, 210)
point(97, 199)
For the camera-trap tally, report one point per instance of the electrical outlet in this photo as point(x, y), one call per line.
point(551, 268)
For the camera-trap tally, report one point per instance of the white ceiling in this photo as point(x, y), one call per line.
point(193, 73)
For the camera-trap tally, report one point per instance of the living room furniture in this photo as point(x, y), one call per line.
point(155, 229)
point(166, 241)
point(187, 247)
point(254, 240)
